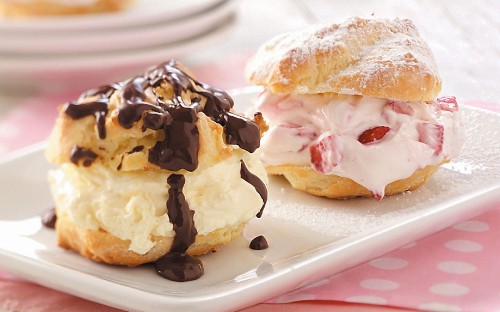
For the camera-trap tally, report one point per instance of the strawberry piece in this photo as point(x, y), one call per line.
point(377, 196)
point(373, 134)
point(432, 135)
point(325, 153)
point(447, 103)
point(401, 108)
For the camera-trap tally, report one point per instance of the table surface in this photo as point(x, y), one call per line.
point(463, 35)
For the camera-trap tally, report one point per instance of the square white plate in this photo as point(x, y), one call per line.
point(310, 238)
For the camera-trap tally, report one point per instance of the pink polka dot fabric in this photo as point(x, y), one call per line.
point(454, 270)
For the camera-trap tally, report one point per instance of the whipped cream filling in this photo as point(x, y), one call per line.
point(373, 141)
point(131, 205)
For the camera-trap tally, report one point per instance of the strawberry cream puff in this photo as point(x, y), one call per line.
point(352, 109)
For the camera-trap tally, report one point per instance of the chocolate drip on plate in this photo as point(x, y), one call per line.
point(49, 218)
point(259, 243)
point(257, 183)
point(79, 153)
point(177, 265)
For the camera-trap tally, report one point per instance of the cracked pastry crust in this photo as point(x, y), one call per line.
point(369, 57)
point(116, 151)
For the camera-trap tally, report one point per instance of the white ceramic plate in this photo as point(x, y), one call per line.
point(141, 13)
point(40, 44)
point(309, 237)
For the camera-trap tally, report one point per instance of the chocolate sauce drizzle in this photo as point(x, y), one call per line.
point(177, 265)
point(257, 183)
point(178, 150)
point(98, 108)
point(79, 153)
point(136, 149)
point(180, 215)
point(242, 132)
point(177, 117)
point(133, 102)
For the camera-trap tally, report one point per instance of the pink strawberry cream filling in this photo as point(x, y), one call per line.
point(373, 141)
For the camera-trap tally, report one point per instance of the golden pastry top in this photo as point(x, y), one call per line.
point(161, 120)
point(363, 56)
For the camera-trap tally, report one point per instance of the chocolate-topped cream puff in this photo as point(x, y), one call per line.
point(352, 108)
point(155, 168)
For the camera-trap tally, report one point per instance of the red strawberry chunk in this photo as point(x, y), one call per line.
point(325, 153)
point(373, 134)
point(401, 107)
point(432, 135)
point(377, 196)
point(447, 103)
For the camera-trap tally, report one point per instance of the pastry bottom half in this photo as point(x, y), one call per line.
point(101, 246)
point(306, 179)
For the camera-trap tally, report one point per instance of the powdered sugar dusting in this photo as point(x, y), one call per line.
point(362, 56)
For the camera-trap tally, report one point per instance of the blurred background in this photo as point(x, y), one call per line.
point(46, 60)
point(79, 51)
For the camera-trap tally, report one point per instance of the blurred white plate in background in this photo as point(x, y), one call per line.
point(84, 70)
point(78, 52)
point(141, 13)
point(16, 46)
